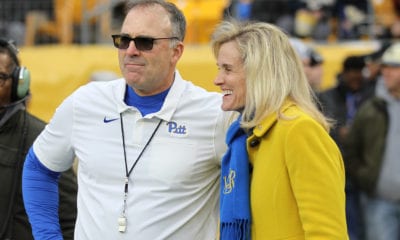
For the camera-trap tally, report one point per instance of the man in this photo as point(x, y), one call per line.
point(341, 103)
point(149, 144)
point(18, 129)
point(373, 150)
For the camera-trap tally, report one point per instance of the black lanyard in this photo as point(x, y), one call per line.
point(122, 220)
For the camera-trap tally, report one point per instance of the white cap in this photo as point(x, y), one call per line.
point(300, 47)
point(306, 52)
point(391, 56)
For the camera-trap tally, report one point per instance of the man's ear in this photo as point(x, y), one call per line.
point(178, 51)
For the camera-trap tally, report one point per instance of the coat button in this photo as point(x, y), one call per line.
point(254, 142)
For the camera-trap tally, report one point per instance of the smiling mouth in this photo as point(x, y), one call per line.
point(227, 92)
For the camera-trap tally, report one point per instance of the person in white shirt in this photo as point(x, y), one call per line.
point(149, 144)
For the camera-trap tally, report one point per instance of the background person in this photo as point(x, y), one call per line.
point(341, 103)
point(18, 129)
point(297, 173)
point(312, 63)
point(149, 144)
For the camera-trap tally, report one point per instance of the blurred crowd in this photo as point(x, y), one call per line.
point(319, 20)
point(13, 17)
point(59, 21)
point(324, 19)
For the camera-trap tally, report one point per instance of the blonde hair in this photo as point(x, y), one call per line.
point(274, 72)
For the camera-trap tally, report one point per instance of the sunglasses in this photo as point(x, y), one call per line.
point(122, 41)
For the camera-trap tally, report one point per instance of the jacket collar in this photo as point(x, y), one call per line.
point(269, 121)
point(10, 111)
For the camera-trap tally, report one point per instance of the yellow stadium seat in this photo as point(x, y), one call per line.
point(384, 12)
point(201, 16)
point(67, 14)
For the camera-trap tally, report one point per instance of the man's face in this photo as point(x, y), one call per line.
point(391, 76)
point(314, 73)
point(149, 72)
point(354, 79)
point(5, 80)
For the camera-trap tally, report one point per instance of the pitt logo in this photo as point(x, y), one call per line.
point(229, 182)
point(177, 130)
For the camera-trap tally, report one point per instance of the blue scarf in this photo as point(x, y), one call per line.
point(235, 184)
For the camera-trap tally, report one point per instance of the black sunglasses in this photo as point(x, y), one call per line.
point(121, 41)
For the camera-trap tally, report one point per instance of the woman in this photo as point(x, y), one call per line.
point(296, 173)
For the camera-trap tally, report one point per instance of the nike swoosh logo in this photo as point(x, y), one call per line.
point(107, 120)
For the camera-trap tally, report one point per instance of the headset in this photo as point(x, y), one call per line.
point(21, 77)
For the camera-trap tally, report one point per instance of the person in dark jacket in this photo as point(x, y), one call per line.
point(18, 129)
point(341, 103)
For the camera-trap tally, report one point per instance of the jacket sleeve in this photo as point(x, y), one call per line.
point(316, 171)
point(365, 143)
point(40, 194)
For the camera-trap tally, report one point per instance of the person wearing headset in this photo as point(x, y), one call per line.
point(18, 130)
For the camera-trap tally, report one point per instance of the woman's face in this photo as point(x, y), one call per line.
point(231, 77)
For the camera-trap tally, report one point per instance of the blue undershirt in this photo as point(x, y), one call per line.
point(146, 104)
point(40, 184)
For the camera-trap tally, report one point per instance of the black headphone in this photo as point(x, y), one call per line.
point(20, 76)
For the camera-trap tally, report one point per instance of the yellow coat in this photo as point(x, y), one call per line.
point(297, 185)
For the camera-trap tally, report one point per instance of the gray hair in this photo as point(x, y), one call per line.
point(176, 17)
